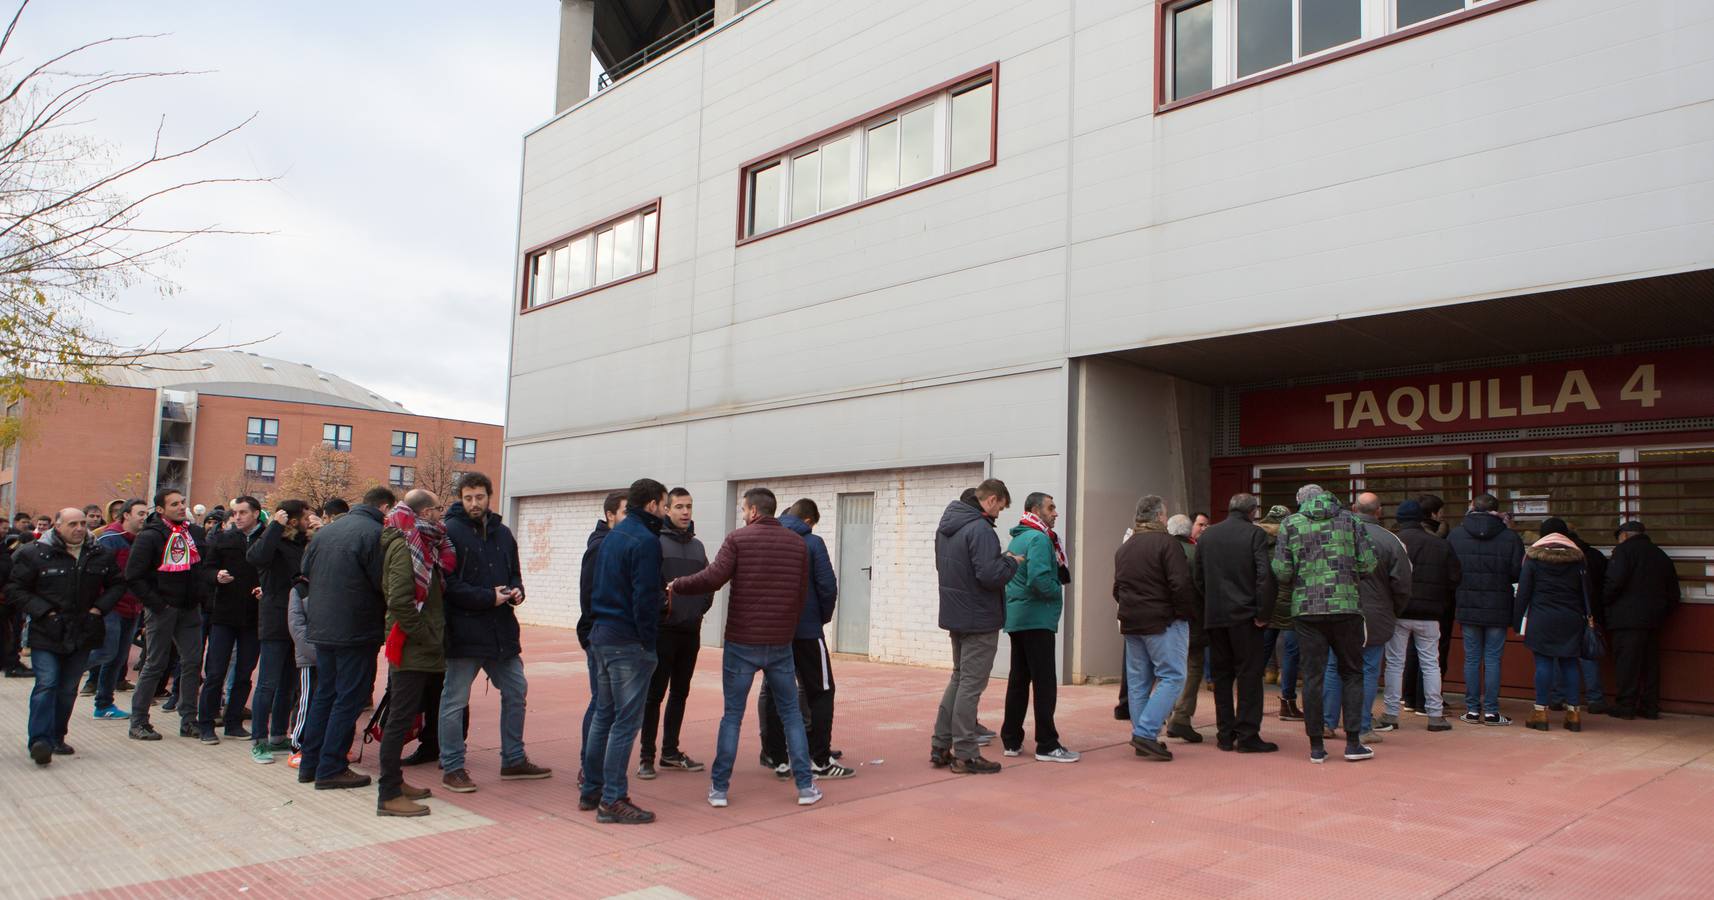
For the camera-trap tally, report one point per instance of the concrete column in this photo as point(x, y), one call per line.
point(576, 41)
point(726, 9)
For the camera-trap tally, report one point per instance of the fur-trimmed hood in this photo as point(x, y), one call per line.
point(1555, 548)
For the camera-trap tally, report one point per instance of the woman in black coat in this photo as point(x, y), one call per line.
point(1551, 614)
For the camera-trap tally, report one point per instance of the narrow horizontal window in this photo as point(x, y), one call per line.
point(944, 131)
point(615, 250)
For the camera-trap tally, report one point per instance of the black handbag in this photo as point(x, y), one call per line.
point(1593, 647)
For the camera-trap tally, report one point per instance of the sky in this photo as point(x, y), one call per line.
point(393, 133)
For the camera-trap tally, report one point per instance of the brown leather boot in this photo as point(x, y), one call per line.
point(401, 806)
point(1573, 719)
point(412, 792)
point(1537, 719)
point(1290, 712)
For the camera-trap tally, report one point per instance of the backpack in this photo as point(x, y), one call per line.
point(378, 721)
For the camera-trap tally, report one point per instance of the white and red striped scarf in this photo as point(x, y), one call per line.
point(1031, 520)
point(180, 553)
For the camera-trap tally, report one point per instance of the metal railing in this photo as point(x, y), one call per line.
point(655, 50)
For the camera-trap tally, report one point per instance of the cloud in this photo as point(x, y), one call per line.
point(394, 132)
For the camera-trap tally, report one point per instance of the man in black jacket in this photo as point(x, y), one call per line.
point(167, 572)
point(66, 584)
point(1490, 558)
point(11, 621)
point(233, 622)
point(679, 640)
point(278, 556)
point(482, 634)
point(1234, 576)
point(1640, 592)
point(346, 623)
point(1435, 574)
point(612, 513)
point(973, 572)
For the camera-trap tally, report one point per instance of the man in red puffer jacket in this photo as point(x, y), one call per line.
point(108, 664)
point(768, 567)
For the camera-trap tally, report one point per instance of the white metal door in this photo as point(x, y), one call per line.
point(856, 571)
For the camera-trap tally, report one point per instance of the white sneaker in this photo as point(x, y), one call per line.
point(1059, 755)
point(1013, 751)
point(716, 799)
point(808, 796)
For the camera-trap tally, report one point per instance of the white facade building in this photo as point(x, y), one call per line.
point(791, 252)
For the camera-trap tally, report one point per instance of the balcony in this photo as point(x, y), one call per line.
point(174, 450)
point(173, 411)
point(656, 50)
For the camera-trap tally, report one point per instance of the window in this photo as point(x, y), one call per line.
point(259, 467)
point(618, 249)
point(337, 436)
point(940, 133)
point(1210, 44)
point(405, 444)
point(463, 449)
point(401, 476)
point(264, 432)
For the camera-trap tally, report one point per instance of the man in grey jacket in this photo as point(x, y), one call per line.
point(1384, 594)
point(973, 574)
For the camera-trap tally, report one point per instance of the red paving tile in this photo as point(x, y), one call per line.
point(1619, 810)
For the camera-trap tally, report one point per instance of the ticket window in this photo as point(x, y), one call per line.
point(1395, 481)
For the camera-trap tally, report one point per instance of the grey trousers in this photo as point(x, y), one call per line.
point(972, 664)
point(166, 629)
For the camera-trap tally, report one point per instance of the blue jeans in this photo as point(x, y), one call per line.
point(109, 662)
point(1149, 657)
point(508, 676)
point(222, 639)
point(1592, 693)
point(589, 711)
point(271, 708)
point(1552, 671)
point(622, 673)
point(345, 677)
point(1288, 664)
point(1372, 657)
point(738, 668)
point(51, 700)
point(1483, 645)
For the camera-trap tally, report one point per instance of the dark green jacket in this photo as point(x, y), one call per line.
point(1034, 598)
point(425, 629)
point(1323, 553)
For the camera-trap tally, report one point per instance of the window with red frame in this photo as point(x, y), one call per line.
point(615, 250)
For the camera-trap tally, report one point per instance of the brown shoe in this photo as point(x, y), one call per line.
point(414, 793)
point(1289, 711)
point(1573, 719)
point(525, 771)
point(1537, 719)
point(345, 780)
point(458, 781)
point(401, 806)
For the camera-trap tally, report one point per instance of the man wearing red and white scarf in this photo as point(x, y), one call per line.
point(1034, 601)
point(416, 556)
point(165, 571)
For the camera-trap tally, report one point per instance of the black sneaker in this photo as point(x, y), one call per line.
point(646, 770)
point(766, 761)
point(42, 752)
point(1185, 733)
point(207, 736)
point(1495, 719)
point(1358, 753)
point(623, 812)
point(61, 748)
point(238, 732)
point(143, 731)
point(188, 730)
point(1257, 745)
point(1154, 751)
point(588, 802)
point(975, 765)
point(681, 763)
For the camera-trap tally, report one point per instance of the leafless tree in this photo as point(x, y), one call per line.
point(315, 478)
point(75, 223)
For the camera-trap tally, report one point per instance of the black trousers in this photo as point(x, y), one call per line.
point(1238, 659)
point(1343, 637)
point(675, 655)
point(815, 696)
point(428, 740)
point(1033, 667)
point(1636, 661)
point(11, 643)
point(404, 702)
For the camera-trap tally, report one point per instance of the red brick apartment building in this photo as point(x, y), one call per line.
point(218, 424)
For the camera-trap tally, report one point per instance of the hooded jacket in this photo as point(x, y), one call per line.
point(425, 629)
point(118, 542)
point(1552, 588)
point(822, 595)
point(1385, 592)
point(235, 603)
point(682, 554)
point(1034, 597)
point(158, 590)
point(1233, 573)
point(586, 582)
point(627, 592)
point(487, 559)
point(971, 569)
point(57, 591)
point(1642, 585)
point(1322, 553)
point(1152, 582)
point(768, 567)
point(1281, 620)
point(297, 623)
point(277, 559)
point(1435, 572)
point(1491, 557)
point(343, 565)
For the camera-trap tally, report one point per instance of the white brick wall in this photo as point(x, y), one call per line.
point(552, 532)
point(904, 603)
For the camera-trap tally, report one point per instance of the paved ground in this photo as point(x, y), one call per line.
point(1621, 809)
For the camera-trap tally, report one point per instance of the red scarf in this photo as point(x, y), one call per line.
point(1031, 520)
point(180, 553)
point(430, 549)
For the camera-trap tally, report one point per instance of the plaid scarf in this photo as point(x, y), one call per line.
point(1031, 520)
point(430, 549)
point(180, 552)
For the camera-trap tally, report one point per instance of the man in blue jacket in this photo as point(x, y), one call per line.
point(1491, 557)
point(482, 634)
point(809, 653)
point(627, 602)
